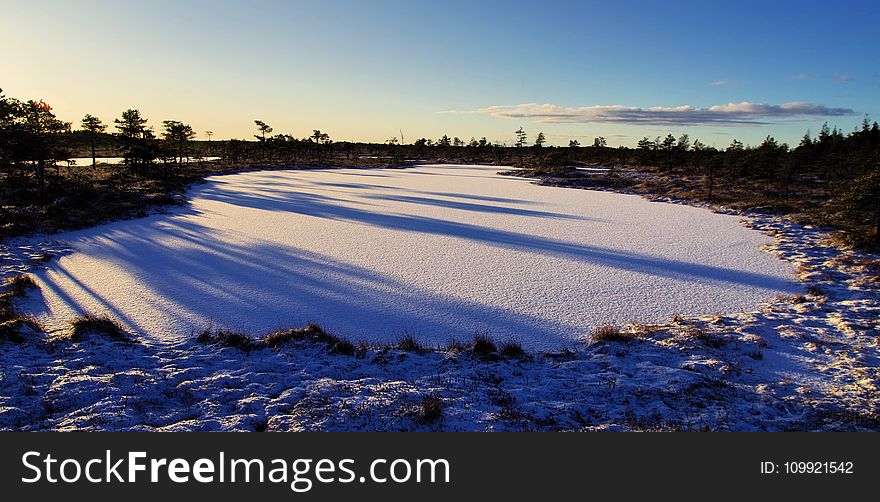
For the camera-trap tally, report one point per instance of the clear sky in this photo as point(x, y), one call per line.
point(363, 70)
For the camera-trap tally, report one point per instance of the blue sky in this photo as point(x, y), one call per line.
point(365, 70)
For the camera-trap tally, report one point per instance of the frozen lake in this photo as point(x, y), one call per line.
point(439, 252)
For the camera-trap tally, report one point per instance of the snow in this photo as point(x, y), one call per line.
point(438, 252)
point(809, 362)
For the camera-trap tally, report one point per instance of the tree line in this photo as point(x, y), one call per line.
point(845, 165)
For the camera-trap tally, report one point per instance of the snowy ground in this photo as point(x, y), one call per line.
point(438, 252)
point(808, 362)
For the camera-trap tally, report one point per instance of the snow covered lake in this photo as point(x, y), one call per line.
point(438, 252)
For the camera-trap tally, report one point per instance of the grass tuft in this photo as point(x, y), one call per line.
point(610, 333)
point(11, 330)
point(706, 338)
point(19, 284)
point(455, 346)
point(313, 333)
point(797, 299)
point(409, 344)
point(82, 327)
point(483, 347)
point(226, 338)
point(430, 408)
point(512, 349)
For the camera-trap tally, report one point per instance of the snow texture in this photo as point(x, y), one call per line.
point(436, 252)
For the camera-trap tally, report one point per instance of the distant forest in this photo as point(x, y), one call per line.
point(832, 179)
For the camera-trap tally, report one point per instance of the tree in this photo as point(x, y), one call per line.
point(520, 145)
point(319, 137)
point(179, 134)
point(444, 141)
point(599, 142)
point(646, 149)
point(41, 138)
point(521, 138)
point(131, 124)
point(574, 143)
point(94, 126)
point(11, 130)
point(138, 148)
point(540, 140)
point(209, 134)
point(860, 203)
point(263, 129)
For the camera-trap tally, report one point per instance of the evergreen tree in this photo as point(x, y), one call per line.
point(94, 126)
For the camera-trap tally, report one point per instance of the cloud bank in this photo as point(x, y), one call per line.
point(730, 114)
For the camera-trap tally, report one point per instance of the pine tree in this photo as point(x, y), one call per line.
point(94, 126)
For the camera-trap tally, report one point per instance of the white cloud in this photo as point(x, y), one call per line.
point(729, 114)
point(719, 83)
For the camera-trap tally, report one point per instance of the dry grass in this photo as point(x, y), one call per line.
point(708, 339)
point(430, 408)
point(483, 347)
point(409, 344)
point(311, 333)
point(13, 324)
point(18, 285)
point(604, 334)
point(82, 327)
point(512, 349)
point(11, 330)
point(226, 338)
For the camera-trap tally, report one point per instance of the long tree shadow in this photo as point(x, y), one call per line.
point(322, 206)
point(482, 208)
point(253, 286)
